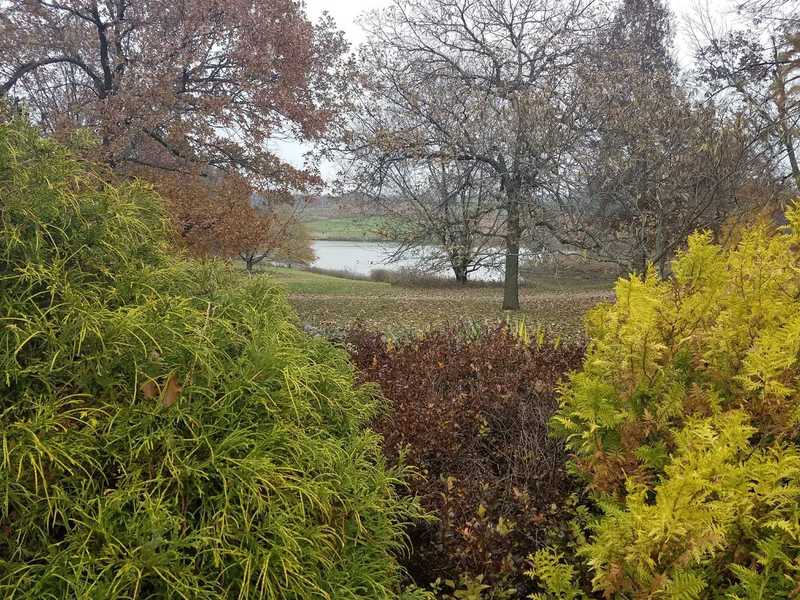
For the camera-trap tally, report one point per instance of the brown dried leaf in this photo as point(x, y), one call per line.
point(150, 389)
point(171, 391)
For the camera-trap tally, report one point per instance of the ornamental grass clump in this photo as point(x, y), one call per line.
point(165, 429)
point(685, 422)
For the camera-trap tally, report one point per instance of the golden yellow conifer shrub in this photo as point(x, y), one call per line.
point(685, 422)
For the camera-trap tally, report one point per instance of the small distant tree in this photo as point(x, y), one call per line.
point(219, 215)
point(443, 213)
point(275, 235)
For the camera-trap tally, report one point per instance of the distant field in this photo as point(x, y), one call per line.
point(334, 302)
point(357, 228)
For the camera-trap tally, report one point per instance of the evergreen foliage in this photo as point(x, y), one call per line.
point(685, 420)
point(165, 429)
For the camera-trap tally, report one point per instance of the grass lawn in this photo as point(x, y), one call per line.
point(363, 228)
point(333, 302)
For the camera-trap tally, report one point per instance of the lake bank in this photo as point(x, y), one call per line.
point(361, 258)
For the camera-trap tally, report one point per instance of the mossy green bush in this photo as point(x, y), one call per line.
point(165, 429)
point(685, 422)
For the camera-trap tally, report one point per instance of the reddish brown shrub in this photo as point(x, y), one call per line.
point(471, 415)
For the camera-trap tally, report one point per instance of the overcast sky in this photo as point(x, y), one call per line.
point(346, 13)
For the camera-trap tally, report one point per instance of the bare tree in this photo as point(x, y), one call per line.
point(777, 11)
point(664, 168)
point(445, 214)
point(477, 81)
point(754, 69)
point(656, 164)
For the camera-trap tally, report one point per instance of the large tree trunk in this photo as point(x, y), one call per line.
point(786, 133)
point(513, 235)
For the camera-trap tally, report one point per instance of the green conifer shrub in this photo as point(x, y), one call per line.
point(165, 429)
point(685, 422)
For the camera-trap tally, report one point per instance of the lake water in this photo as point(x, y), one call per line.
point(363, 257)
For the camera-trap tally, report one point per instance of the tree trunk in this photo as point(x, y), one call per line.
point(661, 249)
point(513, 235)
point(793, 161)
point(785, 128)
point(460, 267)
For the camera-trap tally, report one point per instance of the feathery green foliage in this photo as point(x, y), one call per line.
point(685, 420)
point(165, 429)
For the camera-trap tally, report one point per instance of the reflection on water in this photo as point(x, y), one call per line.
point(363, 257)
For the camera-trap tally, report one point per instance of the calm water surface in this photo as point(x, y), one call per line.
point(363, 257)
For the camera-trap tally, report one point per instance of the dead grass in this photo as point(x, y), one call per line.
point(327, 302)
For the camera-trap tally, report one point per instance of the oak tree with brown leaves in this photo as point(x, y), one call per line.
point(180, 91)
